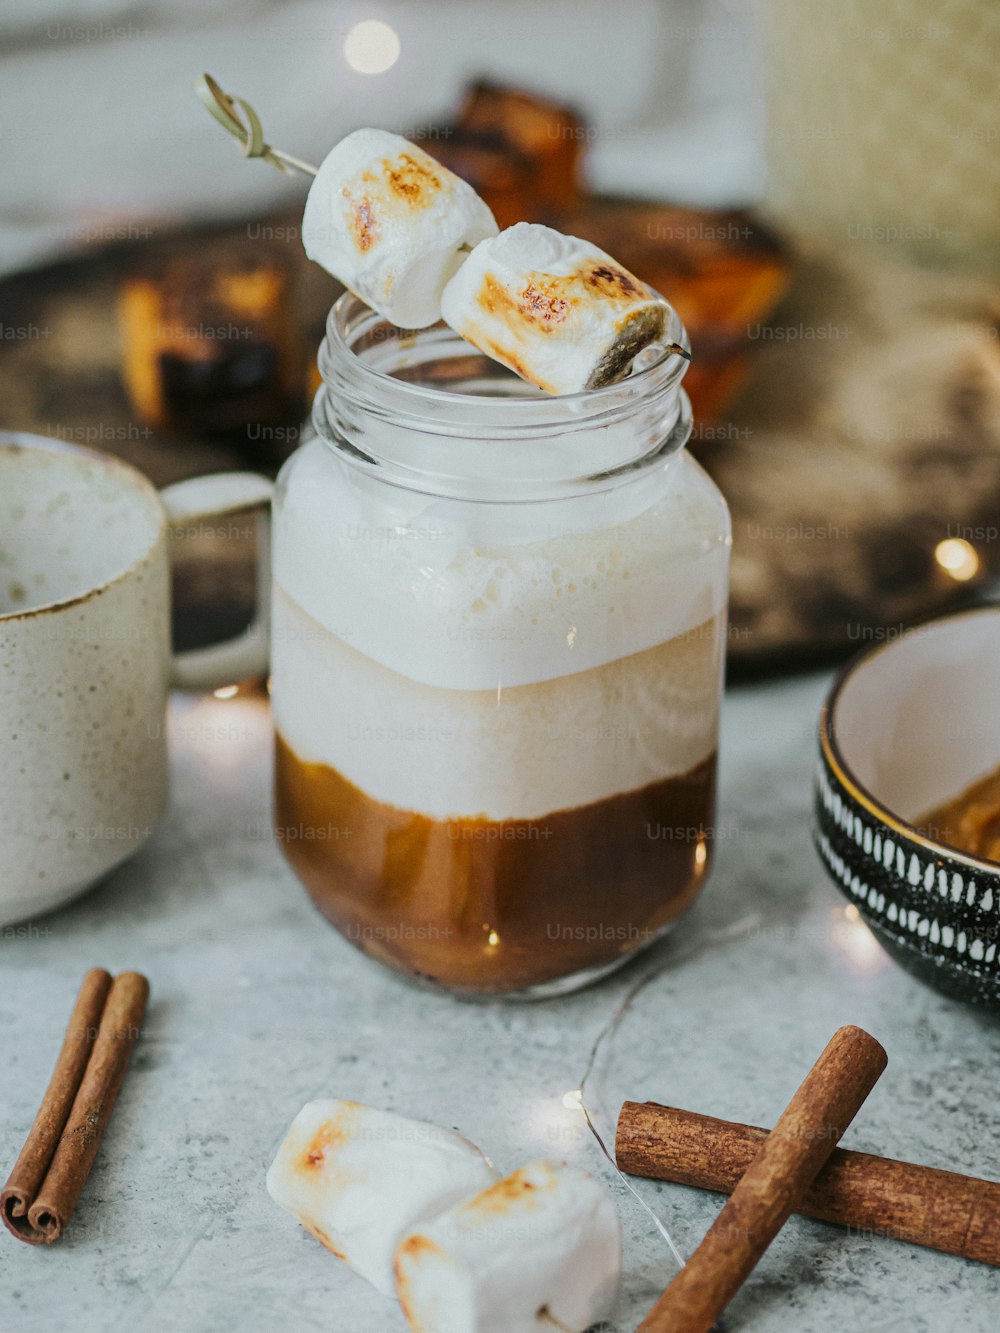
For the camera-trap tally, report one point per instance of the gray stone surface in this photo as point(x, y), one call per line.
point(257, 1006)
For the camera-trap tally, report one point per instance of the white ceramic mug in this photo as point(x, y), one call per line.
point(86, 662)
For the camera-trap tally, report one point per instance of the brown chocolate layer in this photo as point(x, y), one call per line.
point(970, 822)
point(490, 906)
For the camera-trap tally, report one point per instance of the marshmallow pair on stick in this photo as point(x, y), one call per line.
point(424, 1215)
point(417, 244)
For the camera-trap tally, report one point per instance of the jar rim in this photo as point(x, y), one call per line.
point(502, 438)
point(350, 320)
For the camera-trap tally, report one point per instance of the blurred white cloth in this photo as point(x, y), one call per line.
point(102, 137)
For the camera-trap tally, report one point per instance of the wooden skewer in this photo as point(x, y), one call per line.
point(226, 109)
point(786, 1165)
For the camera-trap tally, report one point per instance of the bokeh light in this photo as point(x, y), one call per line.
point(958, 558)
point(371, 47)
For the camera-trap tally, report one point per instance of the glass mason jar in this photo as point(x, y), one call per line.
point(498, 640)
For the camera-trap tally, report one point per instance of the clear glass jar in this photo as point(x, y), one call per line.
point(499, 631)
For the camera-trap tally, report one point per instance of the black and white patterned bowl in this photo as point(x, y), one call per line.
point(908, 725)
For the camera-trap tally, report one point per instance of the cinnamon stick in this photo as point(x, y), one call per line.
point(875, 1196)
point(32, 1163)
point(48, 1177)
point(783, 1169)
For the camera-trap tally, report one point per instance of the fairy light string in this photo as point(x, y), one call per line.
point(710, 938)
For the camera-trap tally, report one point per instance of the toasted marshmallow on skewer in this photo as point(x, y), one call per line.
point(538, 1251)
point(557, 310)
point(392, 224)
point(357, 1178)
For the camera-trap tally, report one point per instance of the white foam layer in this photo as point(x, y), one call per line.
point(503, 753)
point(490, 596)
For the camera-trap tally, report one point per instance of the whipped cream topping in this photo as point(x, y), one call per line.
point(472, 597)
point(392, 224)
point(555, 309)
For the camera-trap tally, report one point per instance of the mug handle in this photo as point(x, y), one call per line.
point(247, 654)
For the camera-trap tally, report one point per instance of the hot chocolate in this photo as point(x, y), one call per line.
point(496, 736)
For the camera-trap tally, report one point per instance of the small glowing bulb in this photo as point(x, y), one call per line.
point(700, 854)
point(226, 691)
point(851, 934)
point(573, 1101)
point(493, 939)
point(958, 558)
point(371, 47)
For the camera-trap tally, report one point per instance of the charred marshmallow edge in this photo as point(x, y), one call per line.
point(555, 309)
point(392, 224)
point(539, 1250)
point(357, 1178)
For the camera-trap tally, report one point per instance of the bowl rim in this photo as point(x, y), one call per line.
point(830, 748)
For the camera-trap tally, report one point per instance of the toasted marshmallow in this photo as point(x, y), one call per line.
point(557, 310)
point(392, 224)
point(541, 1249)
point(358, 1178)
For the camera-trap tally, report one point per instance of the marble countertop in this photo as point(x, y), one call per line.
point(257, 1007)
